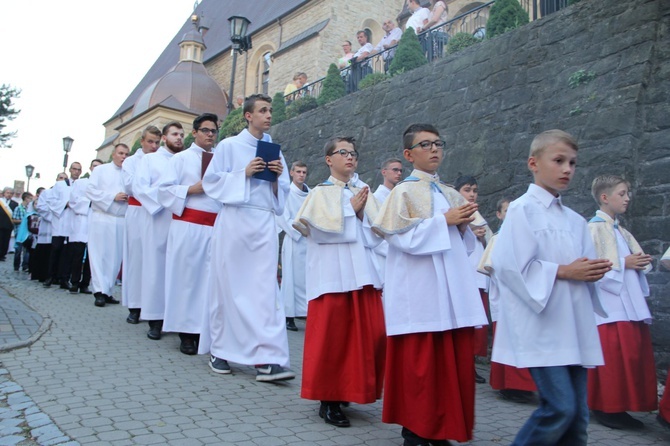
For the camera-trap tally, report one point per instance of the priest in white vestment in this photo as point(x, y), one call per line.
point(80, 270)
point(247, 319)
point(109, 202)
point(136, 220)
point(294, 249)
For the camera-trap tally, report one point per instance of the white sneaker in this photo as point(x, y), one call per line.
point(273, 372)
point(219, 365)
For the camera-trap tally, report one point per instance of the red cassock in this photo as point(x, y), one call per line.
point(481, 342)
point(627, 381)
point(664, 405)
point(345, 347)
point(430, 384)
point(509, 377)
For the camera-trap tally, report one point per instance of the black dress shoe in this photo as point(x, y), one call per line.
point(187, 346)
point(47, 283)
point(619, 420)
point(412, 439)
point(74, 289)
point(111, 300)
point(85, 290)
point(155, 328)
point(99, 300)
point(332, 414)
point(290, 324)
point(133, 316)
point(479, 379)
point(517, 396)
point(65, 285)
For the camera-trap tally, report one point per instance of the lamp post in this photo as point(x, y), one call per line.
point(29, 173)
point(67, 145)
point(241, 43)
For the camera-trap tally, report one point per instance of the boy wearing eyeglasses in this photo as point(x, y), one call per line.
point(392, 174)
point(344, 338)
point(431, 300)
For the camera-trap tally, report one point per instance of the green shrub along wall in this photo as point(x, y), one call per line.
point(597, 69)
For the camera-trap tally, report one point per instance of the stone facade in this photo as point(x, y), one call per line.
point(314, 55)
point(491, 99)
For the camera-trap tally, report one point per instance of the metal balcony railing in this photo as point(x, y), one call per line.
point(433, 42)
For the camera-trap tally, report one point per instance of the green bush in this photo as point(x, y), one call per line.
point(505, 15)
point(233, 124)
point(188, 140)
point(460, 41)
point(408, 55)
point(301, 106)
point(372, 79)
point(278, 108)
point(333, 86)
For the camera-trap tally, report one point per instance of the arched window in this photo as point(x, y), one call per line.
point(263, 73)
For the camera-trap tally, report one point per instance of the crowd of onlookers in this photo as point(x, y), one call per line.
point(355, 65)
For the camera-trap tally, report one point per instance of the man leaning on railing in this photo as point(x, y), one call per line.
point(388, 42)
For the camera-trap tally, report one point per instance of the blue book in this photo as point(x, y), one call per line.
point(269, 151)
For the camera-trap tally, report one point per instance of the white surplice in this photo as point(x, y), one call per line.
point(247, 319)
point(187, 255)
point(105, 226)
point(293, 255)
point(153, 233)
point(544, 321)
point(623, 292)
point(430, 286)
point(350, 258)
point(61, 215)
point(44, 234)
point(81, 209)
point(382, 193)
point(136, 220)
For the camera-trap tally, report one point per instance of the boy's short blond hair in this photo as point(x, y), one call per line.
point(544, 139)
point(605, 184)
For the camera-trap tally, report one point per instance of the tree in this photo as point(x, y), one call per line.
point(136, 145)
point(278, 108)
point(233, 124)
point(505, 15)
point(7, 112)
point(408, 55)
point(333, 86)
point(188, 140)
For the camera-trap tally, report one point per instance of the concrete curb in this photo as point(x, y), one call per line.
point(44, 327)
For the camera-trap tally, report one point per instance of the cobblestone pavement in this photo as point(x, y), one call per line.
point(91, 378)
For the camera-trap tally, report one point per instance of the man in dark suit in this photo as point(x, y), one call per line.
point(7, 206)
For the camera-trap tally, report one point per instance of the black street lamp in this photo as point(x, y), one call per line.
point(67, 145)
point(29, 173)
point(241, 43)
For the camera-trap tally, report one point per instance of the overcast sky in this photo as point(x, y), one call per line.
point(76, 62)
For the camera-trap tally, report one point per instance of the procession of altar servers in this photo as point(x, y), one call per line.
point(192, 218)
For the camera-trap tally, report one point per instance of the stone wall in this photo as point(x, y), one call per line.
point(491, 99)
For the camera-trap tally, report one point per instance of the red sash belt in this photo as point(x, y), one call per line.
point(132, 201)
point(196, 216)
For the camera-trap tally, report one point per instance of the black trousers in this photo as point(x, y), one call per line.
point(80, 271)
point(59, 261)
point(39, 261)
point(5, 236)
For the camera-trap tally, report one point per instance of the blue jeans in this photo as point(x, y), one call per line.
point(18, 250)
point(563, 415)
